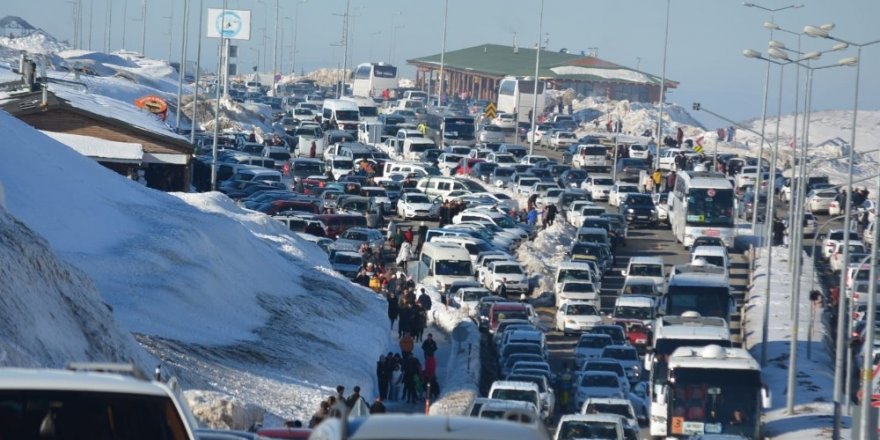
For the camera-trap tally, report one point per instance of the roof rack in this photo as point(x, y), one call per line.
point(109, 367)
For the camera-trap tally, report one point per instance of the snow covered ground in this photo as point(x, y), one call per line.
point(228, 298)
point(813, 408)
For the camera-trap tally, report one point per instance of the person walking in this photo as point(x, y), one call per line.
point(393, 308)
point(313, 150)
point(657, 177)
point(422, 235)
point(377, 407)
point(424, 300)
point(404, 255)
point(550, 215)
point(382, 376)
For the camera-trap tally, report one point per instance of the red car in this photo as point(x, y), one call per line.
point(637, 333)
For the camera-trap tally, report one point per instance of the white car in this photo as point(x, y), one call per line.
point(628, 357)
point(378, 194)
point(660, 204)
point(621, 407)
point(835, 236)
point(502, 159)
point(493, 134)
point(524, 185)
point(501, 199)
point(619, 192)
point(645, 268)
point(590, 346)
point(504, 120)
point(638, 151)
point(510, 273)
point(836, 260)
point(562, 140)
point(820, 200)
point(597, 384)
point(578, 290)
point(599, 186)
point(576, 317)
point(551, 197)
point(468, 298)
point(417, 205)
point(531, 159)
point(575, 209)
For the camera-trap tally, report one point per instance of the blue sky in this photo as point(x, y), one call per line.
point(706, 38)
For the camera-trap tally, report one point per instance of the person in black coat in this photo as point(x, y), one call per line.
point(407, 316)
point(425, 300)
point(382, 376)
point(377, 407)
point(393, 308)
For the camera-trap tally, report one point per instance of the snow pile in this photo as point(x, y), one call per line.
point(234, 116)
point(830, 134)
point(328, 76)
point(38, 42)
point(221, 411)
point(613, 74)
point(460, 385)
point(541, 256)
point(51, 312)
point(228, 297)
point(815, 377)
point(638, 117)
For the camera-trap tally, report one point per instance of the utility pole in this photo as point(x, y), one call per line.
point(341, 84)
point(182, 70)
point(441, 89)
point(275, 49)
point(124, 20)
point(195, 106)
point(144, 28)
point(109, 31)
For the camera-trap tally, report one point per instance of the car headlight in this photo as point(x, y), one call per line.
point(630, 211)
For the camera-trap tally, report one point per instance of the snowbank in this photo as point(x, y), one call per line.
point(815, 377)
point(461, 384)
point(51, 312)
point(227, 297)
point(222, 411)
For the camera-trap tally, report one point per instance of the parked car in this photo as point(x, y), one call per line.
point(638, 209)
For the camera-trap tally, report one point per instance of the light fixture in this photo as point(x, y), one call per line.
point(827, 27)
point(810, 56)
point(776, 44)
point(848, 61)
point(772, 26)
point(749, 53)
point(814, 31)
point(778, 54)
point(840, 46)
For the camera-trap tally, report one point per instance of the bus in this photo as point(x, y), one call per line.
point(701, 204)
point(710, 390)
point(516, 96)
point(446, 128)
point(669, 334)
point(371, 79)
point(701, 289)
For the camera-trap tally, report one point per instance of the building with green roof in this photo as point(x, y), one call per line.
point(476, 72)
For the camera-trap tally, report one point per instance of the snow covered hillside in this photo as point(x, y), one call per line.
point(51, 312)
point(229, 297)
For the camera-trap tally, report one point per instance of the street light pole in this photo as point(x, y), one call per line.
point(182, 69)
point(221, 62)
point(144, 28)
point(440, 79)
point(295, 33)
point(195, 106)
point(535, 91)
point(275, 50)
point(662, 89)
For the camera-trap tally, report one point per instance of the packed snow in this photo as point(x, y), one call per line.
point(614, 74)
point(228, 298)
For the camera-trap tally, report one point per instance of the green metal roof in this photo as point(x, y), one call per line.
point(498, 60)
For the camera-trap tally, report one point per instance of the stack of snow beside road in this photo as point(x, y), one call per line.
point(815, 376)
point(228, 298)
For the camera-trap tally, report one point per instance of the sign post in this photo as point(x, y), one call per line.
point(225, 24)
point(490, 111)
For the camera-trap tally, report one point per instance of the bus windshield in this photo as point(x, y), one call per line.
point(710, 207)
point(707, 301)
point(722, 401)
point(458, 129)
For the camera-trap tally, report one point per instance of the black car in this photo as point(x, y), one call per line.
point(639, 209)
point(572, 178)
point(483, 170)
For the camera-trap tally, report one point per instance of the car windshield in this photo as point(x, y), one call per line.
point(453, 268)
point(473, 295)
point(575, 429)
point(594, 342)
point(604, 182)
point(581, 310)
point(503, 172)
point(628, 312)
point(578, 287)
point(348, 259)
point(710, 207)
point(646, 270)
point(308, 168)
point(610, 408)
point(415, 198)
point(613, 367)
point(512, 394)
point(621, 354)
point(639, 199)
point(508, 268)
point(573, 275)
point(627, 189)
point(599, 380)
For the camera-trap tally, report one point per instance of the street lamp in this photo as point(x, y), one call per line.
point(537, 65)
point(824, 31)
point(662, 90)
point(295, 33)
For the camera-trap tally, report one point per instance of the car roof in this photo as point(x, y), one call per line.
point(67, 380)
point(645, 260)
point(634, 300)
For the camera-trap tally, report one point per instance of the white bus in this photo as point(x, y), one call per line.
point(701, 204)
point(710, 390)
point(371, 79)
point(516, 96)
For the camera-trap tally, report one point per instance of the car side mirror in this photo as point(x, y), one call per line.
point(623, 273)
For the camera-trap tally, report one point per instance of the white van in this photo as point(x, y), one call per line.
point(647, 268)
point(367, 109)
point(442, 263)
point(413, 147)
point(518, 391)
point(415, 95)
point(591, 157)
point(471, 244)
point(440, 186)
point(344, 113)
